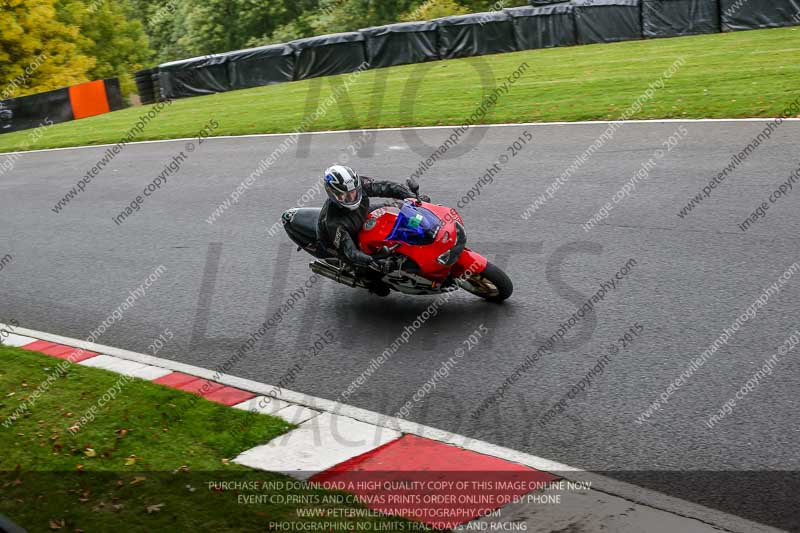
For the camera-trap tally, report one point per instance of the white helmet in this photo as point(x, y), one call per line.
point(343, 185)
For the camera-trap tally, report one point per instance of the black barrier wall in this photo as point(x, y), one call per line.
point(401, 44)
point(475, 35)
point(113, 94)
point(752, 14)
point(29, 112)
point(195, 77)
point(607, 21)
point(543, 27)
point(256, 67)
point(60, 105)
point(673, 18)
point(158, 92)
point(329, 54)
point(145, 86)
point(549, 23)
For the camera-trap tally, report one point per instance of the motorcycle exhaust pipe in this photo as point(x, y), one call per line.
point(339, 276)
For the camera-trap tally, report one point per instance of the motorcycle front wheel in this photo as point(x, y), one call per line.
point(492, 284)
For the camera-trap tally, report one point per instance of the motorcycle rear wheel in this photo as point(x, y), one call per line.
point(492, 284)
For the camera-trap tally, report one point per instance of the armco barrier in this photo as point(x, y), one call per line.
point(76, 102)
point(549, 23)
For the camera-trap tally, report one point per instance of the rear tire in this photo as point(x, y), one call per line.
point(492, 284)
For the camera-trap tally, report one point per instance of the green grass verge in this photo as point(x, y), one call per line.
point(138, 466)
point(741, 74)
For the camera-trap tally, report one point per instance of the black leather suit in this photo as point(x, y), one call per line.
point(339, 227)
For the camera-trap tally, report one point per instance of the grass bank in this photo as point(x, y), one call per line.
point(741, 74)
point(139, 466)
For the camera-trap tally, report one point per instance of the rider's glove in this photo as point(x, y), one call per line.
point(425, 198)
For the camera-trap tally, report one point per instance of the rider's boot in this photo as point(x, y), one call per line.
point(379, 288)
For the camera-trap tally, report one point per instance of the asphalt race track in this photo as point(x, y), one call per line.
point(692, 278)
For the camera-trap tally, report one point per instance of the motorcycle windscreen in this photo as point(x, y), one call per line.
point(415, 225)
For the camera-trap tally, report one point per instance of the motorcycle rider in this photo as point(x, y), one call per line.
point(345, 212)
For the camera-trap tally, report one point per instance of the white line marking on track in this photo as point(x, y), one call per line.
point(328, 132)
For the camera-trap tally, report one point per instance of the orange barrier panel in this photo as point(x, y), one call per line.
point(89, 99)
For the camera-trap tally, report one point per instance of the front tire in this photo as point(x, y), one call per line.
point(492, 284)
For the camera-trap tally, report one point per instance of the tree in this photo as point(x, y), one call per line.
point(38, 52)
point(296, 29)
point(165, 23)
point(119, 43)
point(351, 15)
point(432, 9)
point(214, 26)
point(277, 13)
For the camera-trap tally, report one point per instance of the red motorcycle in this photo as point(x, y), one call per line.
point(428, 239)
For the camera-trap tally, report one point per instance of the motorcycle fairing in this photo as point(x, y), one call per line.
point(423, 231)
point(469, 261)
